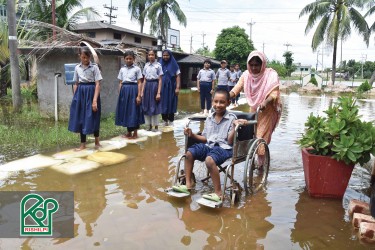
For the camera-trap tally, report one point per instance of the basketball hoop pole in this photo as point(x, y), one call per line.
point(160, 47)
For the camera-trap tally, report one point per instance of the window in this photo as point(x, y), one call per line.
point(91, 34)
point(154, 43)
point(3, 11)
point(137, 39)
point(117, 36)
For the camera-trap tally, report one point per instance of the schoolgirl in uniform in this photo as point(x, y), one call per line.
point(151, 91)
point(85, 109)
point(129, 111)
point(170, 87)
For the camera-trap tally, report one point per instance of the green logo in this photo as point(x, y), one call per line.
point(36, 215)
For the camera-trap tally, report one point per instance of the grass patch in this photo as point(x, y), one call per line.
point(27, 133)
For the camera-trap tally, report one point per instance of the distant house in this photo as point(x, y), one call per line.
point(301, 70)
point(190, 64)
point(108, 34)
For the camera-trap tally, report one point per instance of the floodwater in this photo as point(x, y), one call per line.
point(124, 207)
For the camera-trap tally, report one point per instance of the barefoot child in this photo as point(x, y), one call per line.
point(151, 88)
point(85, 109)
point(216, 144)
point(128, 111)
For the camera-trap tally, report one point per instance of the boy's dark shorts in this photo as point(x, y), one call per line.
point(200, 151)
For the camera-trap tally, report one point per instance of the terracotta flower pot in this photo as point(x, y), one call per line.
point(325, 177)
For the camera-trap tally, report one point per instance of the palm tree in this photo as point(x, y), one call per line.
point(371, 7)
point(158, 11)
point(64, 16)
point(137, 9)
point(335, 20)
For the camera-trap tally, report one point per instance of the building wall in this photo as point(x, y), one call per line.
point(107, 34)
point(54, 63)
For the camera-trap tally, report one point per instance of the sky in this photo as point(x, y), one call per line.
point(275, 27)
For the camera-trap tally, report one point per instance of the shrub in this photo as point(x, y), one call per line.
point(364, 87)
point(314, 81)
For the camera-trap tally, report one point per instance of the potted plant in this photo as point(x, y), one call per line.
point(332, 145)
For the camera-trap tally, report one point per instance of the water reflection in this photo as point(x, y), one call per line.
point(227, 228)
point(320, 225)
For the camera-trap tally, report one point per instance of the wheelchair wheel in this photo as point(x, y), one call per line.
point(199, 171)
point(255, 177)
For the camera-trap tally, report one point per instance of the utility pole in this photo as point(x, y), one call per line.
point(14, 64)
point(251, 29)
point(111, 8)
point(317, 60)
point(363, 58)
point(191, 43)
point(203, 35)
point(287, 46)
point(263, 47)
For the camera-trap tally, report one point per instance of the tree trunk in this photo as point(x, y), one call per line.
point(3, 83)
point(372, 79)
point(334, 60)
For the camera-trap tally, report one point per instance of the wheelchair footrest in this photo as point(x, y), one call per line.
point(209, 203)
point(173, 193)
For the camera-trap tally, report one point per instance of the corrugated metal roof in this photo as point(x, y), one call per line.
point(94, 25)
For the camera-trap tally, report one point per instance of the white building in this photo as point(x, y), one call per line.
point(301, 70)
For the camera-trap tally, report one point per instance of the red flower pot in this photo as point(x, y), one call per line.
point(325, 177)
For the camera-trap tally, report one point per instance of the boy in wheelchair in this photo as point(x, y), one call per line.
point(215, 145)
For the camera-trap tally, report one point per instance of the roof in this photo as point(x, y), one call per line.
point(95, 25)
point(197, 59)
point(135, 45)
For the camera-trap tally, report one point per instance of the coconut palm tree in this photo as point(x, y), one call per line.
point(137, 9)
point(335, 20)
point(65, 17)
point(158, 13)
point(371, 10)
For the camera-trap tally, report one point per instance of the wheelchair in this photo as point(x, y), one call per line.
point(246, 148)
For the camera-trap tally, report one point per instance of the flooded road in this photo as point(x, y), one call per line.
point(124, 207)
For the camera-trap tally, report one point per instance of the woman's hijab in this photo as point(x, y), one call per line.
point(170, 66)
point(258, 86)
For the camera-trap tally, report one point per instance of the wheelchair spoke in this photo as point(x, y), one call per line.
point(257, 167)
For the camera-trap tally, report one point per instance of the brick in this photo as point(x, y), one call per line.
point(358, 218)
point(357, 206)
point(366, 232)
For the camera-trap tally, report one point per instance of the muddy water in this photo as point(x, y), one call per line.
point(124, 206)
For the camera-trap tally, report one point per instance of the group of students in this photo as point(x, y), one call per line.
point(139, 102)
point(224, 77)
point(142, 102)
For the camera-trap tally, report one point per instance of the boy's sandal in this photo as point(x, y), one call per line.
point(212, 197)
point(181, 189)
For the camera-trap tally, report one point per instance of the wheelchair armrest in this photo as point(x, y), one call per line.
point(197, 118)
